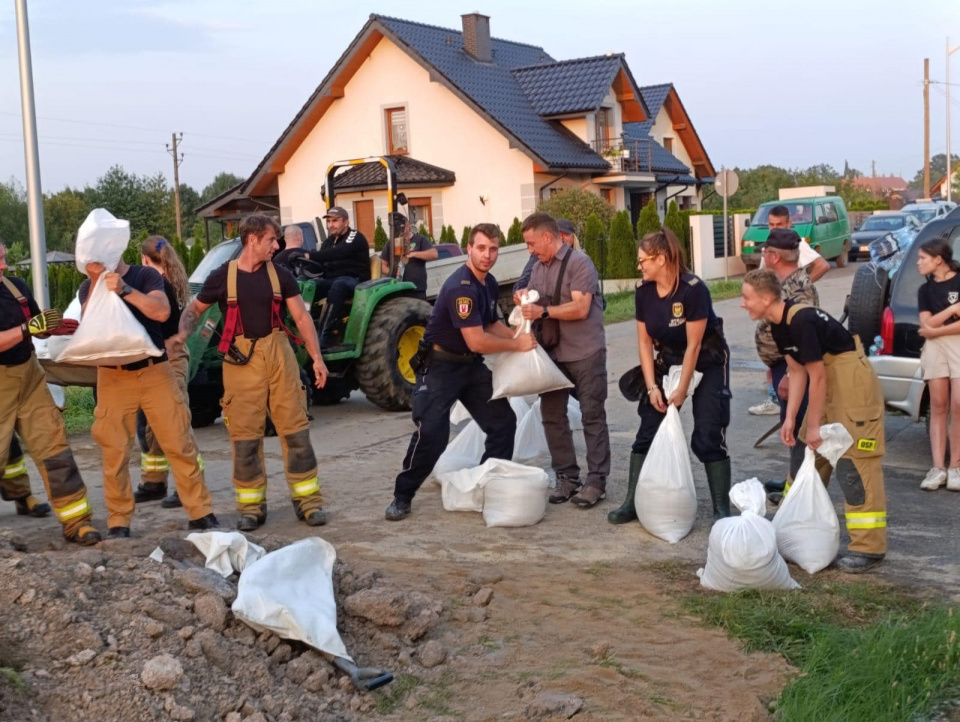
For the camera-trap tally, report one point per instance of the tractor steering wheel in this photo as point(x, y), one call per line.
point(306, 267)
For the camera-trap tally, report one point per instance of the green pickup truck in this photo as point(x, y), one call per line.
point(822, 222)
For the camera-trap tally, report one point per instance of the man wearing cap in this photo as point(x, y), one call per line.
point(781, 254)
point(344, 259)
point(417, 250)
point(569, 289)
point(568, 234)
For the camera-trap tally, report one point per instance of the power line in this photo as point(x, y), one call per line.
point(152, 147)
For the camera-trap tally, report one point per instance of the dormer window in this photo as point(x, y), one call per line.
point(397, 131)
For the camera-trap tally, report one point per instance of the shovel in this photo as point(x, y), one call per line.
point(366, 679)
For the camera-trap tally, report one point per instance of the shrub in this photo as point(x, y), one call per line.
point(379, 236)
point(649, 220)
point(593, 240)
point(196, 256)
point(514, 234)
point(577, 205)
point(623, 248)
point(465, 238)
point(675, 222)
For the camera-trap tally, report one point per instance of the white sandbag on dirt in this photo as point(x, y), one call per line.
point(665, 498)
point(530, 441)
point(742, 551)
point(462, 490)
point(467, 448)
point(102, 238)
point(108, 334)
point(525, 373)
point(226, 551)
point(808, 531)
point(459, 414)
point(513, 494)
point(290, 592)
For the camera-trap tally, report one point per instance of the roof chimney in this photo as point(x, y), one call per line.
point(476, 37)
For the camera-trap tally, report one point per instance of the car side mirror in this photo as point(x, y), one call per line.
point(748, 223)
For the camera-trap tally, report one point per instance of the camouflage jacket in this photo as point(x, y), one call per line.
point(796, 287)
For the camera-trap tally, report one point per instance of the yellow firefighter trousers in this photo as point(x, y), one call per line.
point(855, 399)
point(27, 408)
point(271, 379)
point(154, 389)
point(153, 463)
point(14, 482)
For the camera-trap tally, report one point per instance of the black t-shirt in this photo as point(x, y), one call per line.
point(283, 257)
point(666, 318)
point(935, 296)
point(415, 270)
point(254, 296)
point(145, 280)
point(811, 334)
point(172, 324)
point(11, 316)
point(463, 302)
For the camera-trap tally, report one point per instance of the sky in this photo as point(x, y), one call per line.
point(792, 84)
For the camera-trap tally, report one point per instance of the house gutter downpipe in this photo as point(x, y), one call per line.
point(38, 240)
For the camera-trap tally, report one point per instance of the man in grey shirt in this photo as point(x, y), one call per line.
point(581, 355)
point(417, 250)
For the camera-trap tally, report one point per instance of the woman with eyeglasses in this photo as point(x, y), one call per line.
point(675, 319)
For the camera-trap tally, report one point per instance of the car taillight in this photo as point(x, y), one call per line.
point(886, 331)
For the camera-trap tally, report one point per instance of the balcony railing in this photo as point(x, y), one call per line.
point(626, 156)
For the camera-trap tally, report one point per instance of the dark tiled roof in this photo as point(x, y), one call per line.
point(569, 86)
point(654, 96)
point(410, 172)
point(680, 179)
point(493, 87)
point(649, 154)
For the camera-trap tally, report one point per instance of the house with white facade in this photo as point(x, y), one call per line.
point(480, 130)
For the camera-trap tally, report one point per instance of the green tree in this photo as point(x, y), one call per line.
point(681, 228)
point(424, 231)
point(16, 252)
point(623, 248)
point(592, 239)
point(63, 213)
point(649, 220)
point(576, 205)
point(380, 238)
point(196, 256)
point(13, 213)
point(938, 169)
point(221, 183)
point(465, 238)
point(514, 234)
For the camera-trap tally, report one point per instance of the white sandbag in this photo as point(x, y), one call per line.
point(109, 334)
point(574, 415)
point(467, 448)
point(290, 592)
point(665, 498)
point(226, 552)
point(461, 490)
point(513, 494)
point(101, 239)
point(58, 395)
point(525, 373)
point(530, 441)
point(56, 344)
point(742, 551)
point(808, 531)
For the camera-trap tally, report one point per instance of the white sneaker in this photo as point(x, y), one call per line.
point(935, 478)
point(767, 408)
point(953, 479)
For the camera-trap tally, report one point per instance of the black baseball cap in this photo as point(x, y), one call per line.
point(336, 212)
point(784, 239)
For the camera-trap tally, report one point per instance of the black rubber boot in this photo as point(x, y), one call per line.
point(718, 479)
point(150, 491)
point(627, 511)
point(29, 506)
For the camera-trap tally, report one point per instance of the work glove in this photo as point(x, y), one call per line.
point(44, 322)
point(67, 327)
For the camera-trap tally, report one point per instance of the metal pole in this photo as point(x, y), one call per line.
point(949, 180)
point(31, 152)
point(926, 128)
point(726, 265)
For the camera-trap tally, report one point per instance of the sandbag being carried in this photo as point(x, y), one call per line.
point(665, 498)
point(742, 551)
point(524, 373)
point(109, 334)
point(808, 531)
point(101, 239)
point(513, 494)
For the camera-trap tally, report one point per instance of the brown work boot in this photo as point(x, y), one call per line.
point(588, 496)
point(566, 488)
point(84, 535)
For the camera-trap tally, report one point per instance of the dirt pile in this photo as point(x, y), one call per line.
point(109, 634)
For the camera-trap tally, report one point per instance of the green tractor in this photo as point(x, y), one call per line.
point(381, 333)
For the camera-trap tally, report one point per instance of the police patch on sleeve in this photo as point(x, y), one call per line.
point(464, 306)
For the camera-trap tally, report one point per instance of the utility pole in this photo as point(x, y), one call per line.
point(873, 168)
point(949, 181)
point(926, 128)
point(177, 160)
point(31, 152)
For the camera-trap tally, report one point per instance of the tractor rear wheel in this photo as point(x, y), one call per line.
point(383, 369)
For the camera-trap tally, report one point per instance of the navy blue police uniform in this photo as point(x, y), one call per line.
point(451, 372)
point(665, 320)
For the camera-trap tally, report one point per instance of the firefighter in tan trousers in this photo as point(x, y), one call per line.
point(27, 408)
point(843, 389)
point(149, 385)
point(260, 372)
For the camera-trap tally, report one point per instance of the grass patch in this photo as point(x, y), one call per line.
point(78, 409)
point(864, 651)
point(391, 699)
point(13, 679)
point(622, 307)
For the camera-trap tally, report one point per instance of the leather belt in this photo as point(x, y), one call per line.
point(438, 354)
point(137, 365)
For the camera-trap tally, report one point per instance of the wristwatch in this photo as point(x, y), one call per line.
point(545, 313)
point(125, 290)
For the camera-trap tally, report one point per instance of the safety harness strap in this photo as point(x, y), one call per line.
point(232, 325)
point(792, 311)
point(277, 304)
point(15, 292)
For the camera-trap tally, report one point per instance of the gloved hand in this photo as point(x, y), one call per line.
point(67, 327)
point(44, 322)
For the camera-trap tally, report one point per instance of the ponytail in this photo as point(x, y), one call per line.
point(161, 252)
